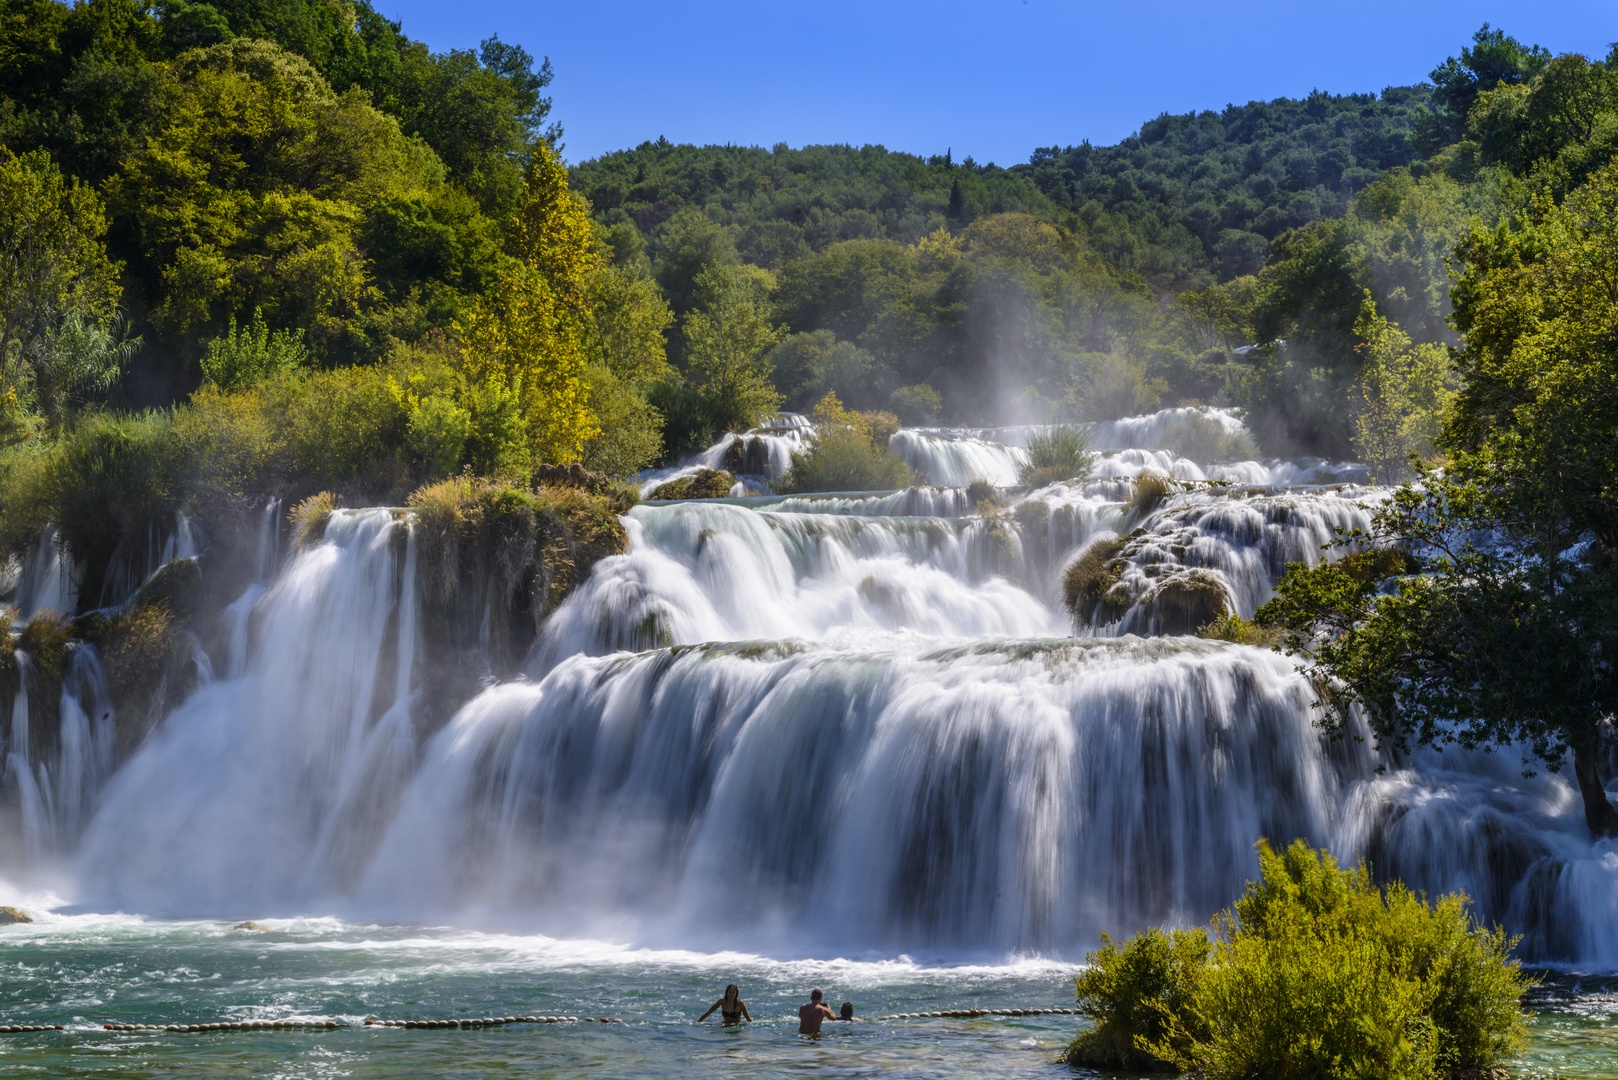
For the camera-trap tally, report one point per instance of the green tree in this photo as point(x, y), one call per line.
point(1493, 59)
point(728, 338)
point(1404, 395)
point(56, 287)
point(1510, 640)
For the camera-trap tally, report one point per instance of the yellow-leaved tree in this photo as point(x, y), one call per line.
point(528, 338)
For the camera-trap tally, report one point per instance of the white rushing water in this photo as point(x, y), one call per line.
point(812, 726)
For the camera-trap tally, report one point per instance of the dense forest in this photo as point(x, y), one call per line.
point(362, 265)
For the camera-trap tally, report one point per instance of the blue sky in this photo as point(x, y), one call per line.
point(992, 79)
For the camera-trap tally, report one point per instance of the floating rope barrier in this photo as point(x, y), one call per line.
point(24, 1029)
point(244, 1025)
point(967, 1014)
point(481, 1022)
point(492, 1021)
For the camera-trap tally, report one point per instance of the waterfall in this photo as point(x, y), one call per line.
point(279, 771)
point(803, 725)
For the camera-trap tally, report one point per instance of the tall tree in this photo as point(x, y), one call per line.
point(1506, 630)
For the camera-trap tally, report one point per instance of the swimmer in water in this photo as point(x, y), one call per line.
point(846, 1012)
point(811, 1015)
point(732, 1009)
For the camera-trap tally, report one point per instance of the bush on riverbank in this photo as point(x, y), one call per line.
point(1314, 973)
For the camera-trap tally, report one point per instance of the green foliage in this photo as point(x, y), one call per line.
point(57, 290)
point(843, 459)
point(728, 338)
point(1060, 452)
point(631, 436)
point(237, 360)
point(1314, 972)
point(1205, 440)
point(1494, 59)
point(1090, 584)
point(1506, 642)
point(810, 365)
point(917, 405)
point(1216, 187)
point(704, 484)
point(1132, 993)
point(1405, 393)
point(1233, 628)
point(1317, 972)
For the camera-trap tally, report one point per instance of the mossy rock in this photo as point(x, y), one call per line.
point(1093, 581)
point(706, 484)
point(1185, 604)
point(248, 925)
point(174, 585)
point(1033, 515)
point(10, 916)
point(979, 492)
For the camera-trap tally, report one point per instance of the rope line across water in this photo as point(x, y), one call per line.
point(482, 1022)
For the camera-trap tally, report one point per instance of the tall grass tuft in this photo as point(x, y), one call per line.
point(1060, 452)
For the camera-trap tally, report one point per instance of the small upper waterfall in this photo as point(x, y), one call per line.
point(850, 721)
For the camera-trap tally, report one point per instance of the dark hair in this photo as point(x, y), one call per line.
point(848, 1010)
point(732, 989)
point(815, 995)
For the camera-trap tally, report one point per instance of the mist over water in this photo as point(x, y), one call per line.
point(853, 726)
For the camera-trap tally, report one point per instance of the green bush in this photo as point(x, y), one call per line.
point(631, 427)
point(1057, 453)
point(844, 459)
point(245, 358)
point(1204, 440)
point(1132, 992)
point(919, 404)
point(1316, 974)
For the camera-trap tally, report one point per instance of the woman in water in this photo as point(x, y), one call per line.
point(732, 1009)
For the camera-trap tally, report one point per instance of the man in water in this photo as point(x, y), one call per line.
point(811, 1015)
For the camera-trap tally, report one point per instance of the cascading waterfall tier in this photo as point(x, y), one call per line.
point(840, 723)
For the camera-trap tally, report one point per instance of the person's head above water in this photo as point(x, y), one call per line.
point(847, 1010)
point(732, 991)
point(815, 995)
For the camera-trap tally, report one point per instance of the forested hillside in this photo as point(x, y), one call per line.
point(363, 265)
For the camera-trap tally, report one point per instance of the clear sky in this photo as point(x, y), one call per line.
point(992, 79)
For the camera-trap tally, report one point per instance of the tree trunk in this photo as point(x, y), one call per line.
point(1598, 810)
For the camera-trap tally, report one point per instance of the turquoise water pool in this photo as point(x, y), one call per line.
point(85, 971)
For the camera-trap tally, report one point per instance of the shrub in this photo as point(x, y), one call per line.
point(243, 359)
point(844, 459)
point(1059, 452)
point(880, 426)
point(1314, 973)
point(1232, 627)
point(1204, 440)
point(1132, 993)
point(919, 404)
